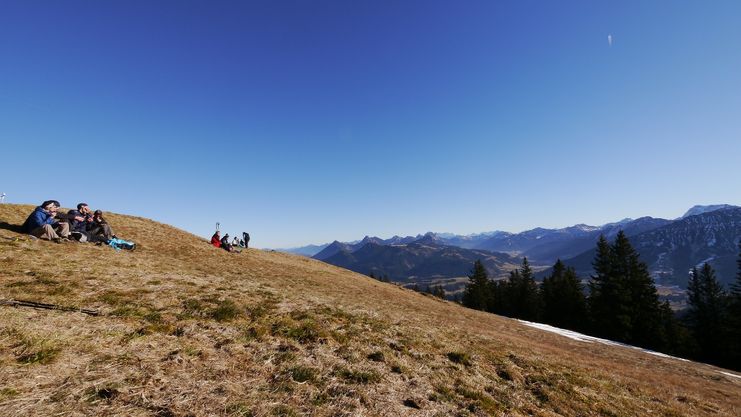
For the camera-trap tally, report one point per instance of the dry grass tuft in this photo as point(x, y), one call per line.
point(30, 349)
point(189, 329)
point(460, 357)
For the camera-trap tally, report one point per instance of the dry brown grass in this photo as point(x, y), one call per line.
point(192, 330)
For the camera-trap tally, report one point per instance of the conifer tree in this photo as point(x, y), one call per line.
point(706, 300)
point(562, 297)
point(735, 296)
point(530, 295)
point(694, 290)
point(478, 292)
point(438, 291)
point(623, 302)
point(642, 304)
point(674, 336)
point(505, 294)
point(549, 293)
point(607, 297)
point(523, 293)
point(499, 301)
point(734, 318)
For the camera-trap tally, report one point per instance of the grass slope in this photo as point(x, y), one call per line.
point(189, 329)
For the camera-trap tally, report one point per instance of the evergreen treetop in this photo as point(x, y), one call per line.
point(477, 294)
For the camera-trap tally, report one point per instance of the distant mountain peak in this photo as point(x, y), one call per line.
point(429, 237)
point(618, 223)
point(331, 250)
point(370, 239)
point(700, 209)
point(585, 227)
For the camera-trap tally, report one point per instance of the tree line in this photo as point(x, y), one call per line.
point(620, 302)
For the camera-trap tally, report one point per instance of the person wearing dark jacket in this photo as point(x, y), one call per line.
point(246, 238)
point(99, 229)
point(80, 221)
point(225, 243)
point(43, 224)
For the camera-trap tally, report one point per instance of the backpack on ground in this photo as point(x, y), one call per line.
point(118, 244)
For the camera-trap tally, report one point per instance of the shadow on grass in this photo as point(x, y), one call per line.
point(17, 228)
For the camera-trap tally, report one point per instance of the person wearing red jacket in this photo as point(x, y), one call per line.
point(216, 239)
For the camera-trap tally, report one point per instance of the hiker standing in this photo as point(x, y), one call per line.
point(43, 224)
point(246, 237)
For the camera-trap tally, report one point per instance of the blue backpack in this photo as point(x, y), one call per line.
point(118, 244)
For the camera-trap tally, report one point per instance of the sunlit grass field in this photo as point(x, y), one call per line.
point(189, 329)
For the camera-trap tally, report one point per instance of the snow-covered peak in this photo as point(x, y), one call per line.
point(705, 209)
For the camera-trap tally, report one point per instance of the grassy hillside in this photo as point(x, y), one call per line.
point(189, 329)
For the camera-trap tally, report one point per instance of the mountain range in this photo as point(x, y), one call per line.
point(669, 247)
point(426, 258)
point(672, 250)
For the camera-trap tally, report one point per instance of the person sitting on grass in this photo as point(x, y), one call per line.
point(216, 239)
point(79, 222)
point(99, 229)
point(225, 243)
point(43, 224)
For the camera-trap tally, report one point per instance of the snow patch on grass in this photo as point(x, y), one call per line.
point(589, 339)
point(731, 375)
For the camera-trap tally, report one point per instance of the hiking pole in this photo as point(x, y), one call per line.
point(45, 306)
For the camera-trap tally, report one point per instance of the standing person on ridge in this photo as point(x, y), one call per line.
point(246, 237)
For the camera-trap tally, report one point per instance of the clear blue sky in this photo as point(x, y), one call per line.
point(309, 121)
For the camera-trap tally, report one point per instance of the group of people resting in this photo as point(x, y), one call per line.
point(82, 225)
point(223, 242)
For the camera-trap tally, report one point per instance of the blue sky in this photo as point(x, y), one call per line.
point(309, 121)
